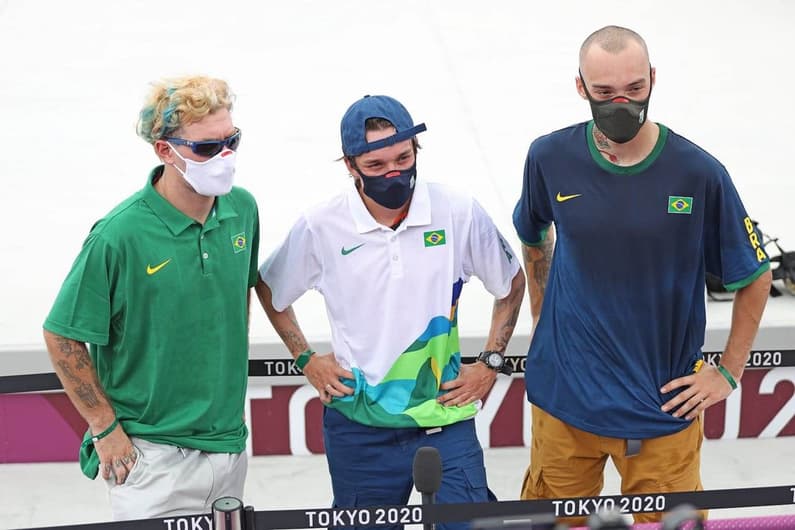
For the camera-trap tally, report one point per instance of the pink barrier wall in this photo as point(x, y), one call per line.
point(773, 522)
point(46, 428)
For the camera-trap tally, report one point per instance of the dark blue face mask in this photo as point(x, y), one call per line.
point(390, 191)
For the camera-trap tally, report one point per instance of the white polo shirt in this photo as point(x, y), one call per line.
point(391, 295)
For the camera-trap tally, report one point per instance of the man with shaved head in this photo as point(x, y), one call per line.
point(640, 214)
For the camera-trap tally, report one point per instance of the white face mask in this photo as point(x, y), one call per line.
point(212, 177)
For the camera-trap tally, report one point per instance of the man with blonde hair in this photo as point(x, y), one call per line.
point(615, 368)
point(163, 381)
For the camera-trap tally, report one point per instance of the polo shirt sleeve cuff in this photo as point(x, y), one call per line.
point(78, 335)
point(542, 237)
point(734, 286)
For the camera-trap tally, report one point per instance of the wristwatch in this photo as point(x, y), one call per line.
point(495, 361)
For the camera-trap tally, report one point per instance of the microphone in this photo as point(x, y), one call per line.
point(680, 515)
point(607, 520)
point(228, 513)
point(427, 473)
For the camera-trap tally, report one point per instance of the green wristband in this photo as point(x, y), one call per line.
point(722, 369)
point(95, 438)
point(303, 358)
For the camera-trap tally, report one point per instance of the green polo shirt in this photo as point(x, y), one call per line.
point(162, 301)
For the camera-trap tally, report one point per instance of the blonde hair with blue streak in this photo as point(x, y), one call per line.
point(176, 102)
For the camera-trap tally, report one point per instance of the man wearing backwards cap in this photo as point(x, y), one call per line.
point(390, 258)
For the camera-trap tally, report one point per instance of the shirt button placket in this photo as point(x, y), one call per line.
point(204, 255)
point(393, 247)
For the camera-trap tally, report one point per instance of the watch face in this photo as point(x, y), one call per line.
point(494, 360)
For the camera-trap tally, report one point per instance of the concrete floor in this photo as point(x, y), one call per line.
point(34, 495)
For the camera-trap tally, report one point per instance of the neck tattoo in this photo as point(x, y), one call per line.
point(603, 145)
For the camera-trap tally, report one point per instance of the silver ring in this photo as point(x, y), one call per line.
point(328, 386)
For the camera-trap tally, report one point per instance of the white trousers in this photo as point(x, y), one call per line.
point(172, 481)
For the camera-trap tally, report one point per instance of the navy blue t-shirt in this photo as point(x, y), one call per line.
point(624, 309)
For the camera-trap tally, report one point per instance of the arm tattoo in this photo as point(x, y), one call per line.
point(506, 329)
point(537, 262)
point(542, 265)
point(85, 385)
point(71, 348)
point(291, 335)
point(88, 395)
point(67, 371)
point(539, 259)
point(292, 339)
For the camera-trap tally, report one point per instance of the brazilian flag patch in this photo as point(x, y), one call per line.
point(239, 242)
point(434, 238)
point(677, 204)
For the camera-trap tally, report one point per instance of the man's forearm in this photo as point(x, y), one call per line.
point(286, 325)
point(749, 303)
point(284, 322)
point(505, 314)
point(537, 261)
point(79, 379)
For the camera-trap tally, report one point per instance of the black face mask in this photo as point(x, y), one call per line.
point(390, 192)
point(619, 118)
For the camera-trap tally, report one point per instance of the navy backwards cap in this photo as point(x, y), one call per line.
point(352, 128)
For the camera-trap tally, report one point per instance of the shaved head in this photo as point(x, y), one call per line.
point(612, 39)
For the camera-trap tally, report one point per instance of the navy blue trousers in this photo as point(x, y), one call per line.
point(372, 466)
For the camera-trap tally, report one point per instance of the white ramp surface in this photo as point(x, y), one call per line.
point(486, 77)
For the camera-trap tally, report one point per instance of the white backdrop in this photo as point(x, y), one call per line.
point(486, 77)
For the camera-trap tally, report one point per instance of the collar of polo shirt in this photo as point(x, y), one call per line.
point(419, 210)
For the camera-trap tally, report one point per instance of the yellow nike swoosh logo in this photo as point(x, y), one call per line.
point(151, 270)
point(564, 198)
